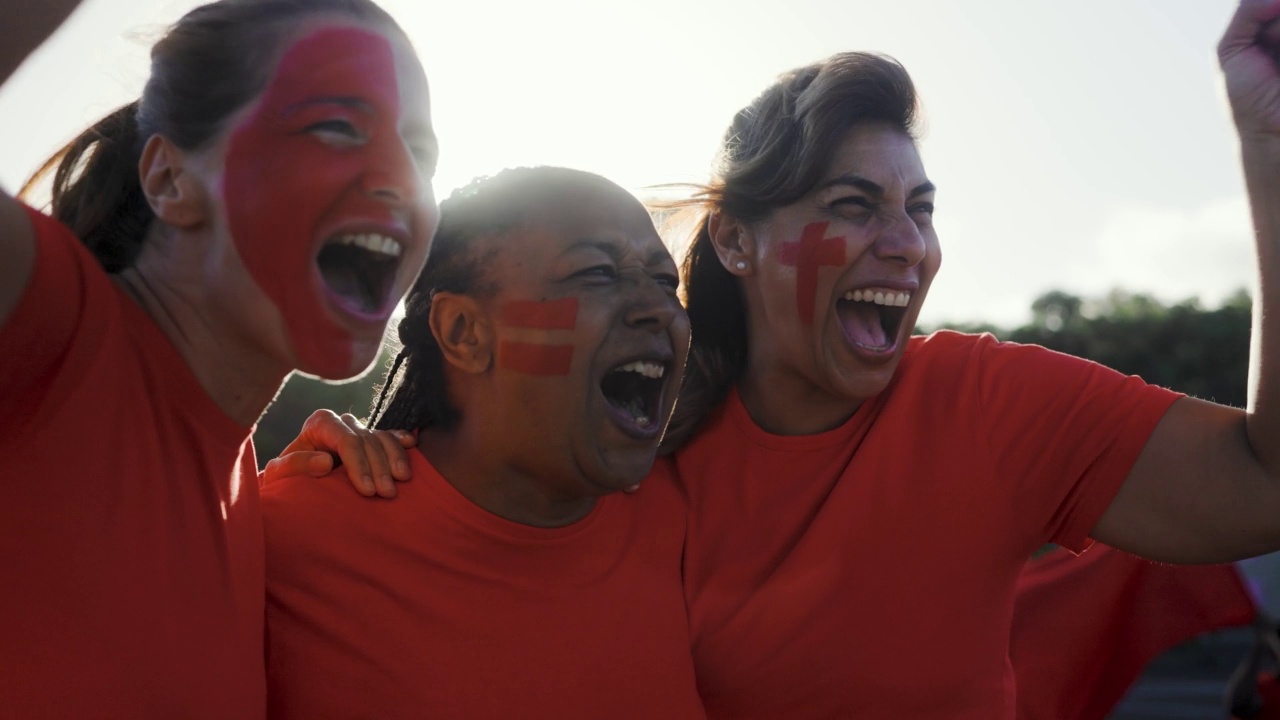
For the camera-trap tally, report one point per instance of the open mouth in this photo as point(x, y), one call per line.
point(634, 392)
point(872, 317)
point(360, 269)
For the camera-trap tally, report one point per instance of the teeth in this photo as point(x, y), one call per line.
point(373, 243)
point(879, 296)
point(647, 368)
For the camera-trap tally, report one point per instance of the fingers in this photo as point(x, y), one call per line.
point(394, 448)
point(1251, 23)
point(313, 464)
point(366, 449)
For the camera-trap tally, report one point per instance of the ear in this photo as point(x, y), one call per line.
point(176, 196)
point(463, 332)
point(735, 243)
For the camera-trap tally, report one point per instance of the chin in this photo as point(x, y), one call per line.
point(336, 369)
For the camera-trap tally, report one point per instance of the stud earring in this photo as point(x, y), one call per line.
point(742, 265)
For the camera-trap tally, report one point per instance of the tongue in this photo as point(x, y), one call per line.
point(861, 322)
point(349, 274)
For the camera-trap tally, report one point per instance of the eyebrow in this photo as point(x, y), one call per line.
point(657, 257)
point(353, 103)
point(870, 187)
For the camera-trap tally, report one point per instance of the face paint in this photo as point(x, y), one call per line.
point(538, 358)
point(299, 171)
point(806, 257)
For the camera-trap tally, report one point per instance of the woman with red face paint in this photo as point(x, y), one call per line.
point(259, 210)
point(541, 356)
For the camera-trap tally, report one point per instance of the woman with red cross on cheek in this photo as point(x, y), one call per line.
point(260, 209)
point(862, 500)
point(542, 354)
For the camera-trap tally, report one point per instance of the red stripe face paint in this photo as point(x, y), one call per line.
point(301, 169)
point(545, 359)
point(806, 256)
point(550, 315)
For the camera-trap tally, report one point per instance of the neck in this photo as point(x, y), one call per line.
point(476, 465)
point(239, 378)
point(783, 403)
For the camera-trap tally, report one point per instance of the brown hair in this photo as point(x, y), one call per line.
point(776, 150)
point(208, 65)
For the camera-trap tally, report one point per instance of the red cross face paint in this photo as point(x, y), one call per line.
point(813, 251)
point(838, 276)
point(328, 208)
point(538, 358)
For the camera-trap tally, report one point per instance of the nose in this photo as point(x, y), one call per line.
point(901, 242)
point(651, 305)
point(393, 174)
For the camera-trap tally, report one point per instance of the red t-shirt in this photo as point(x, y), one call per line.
point(869, 571)
point(429, 606)
point(130, 534)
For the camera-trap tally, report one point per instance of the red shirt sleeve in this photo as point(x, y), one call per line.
point(36, 341)
point(1066, 431)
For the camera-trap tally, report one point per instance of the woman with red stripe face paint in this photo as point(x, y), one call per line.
point(260, 209)
point(543, 348)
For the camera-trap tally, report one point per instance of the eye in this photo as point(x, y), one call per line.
point(598, 272)
point(668, 280)
point(924, 208)
point(851, 205)
point(336, 131)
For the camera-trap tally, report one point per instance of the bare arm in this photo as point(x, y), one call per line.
point(1206, 487)
point(27, 25)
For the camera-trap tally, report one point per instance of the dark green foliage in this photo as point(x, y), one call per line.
point(1204, 353)
point(302, 395)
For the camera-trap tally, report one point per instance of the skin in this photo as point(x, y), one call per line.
point(26, 28)
point(192, 277)
point(807, 377)
point(540, 449)
point(330, 141)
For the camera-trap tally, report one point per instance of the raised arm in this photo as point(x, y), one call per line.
point(27, 25)
point(1206, 487)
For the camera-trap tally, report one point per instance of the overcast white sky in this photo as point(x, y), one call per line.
point(1080, 145)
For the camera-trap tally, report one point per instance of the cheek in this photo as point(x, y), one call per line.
point(807, 254)
point(547, 355)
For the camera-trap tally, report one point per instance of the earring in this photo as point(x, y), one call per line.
point(741, 265)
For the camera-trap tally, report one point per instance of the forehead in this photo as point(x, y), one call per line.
point(880, 153)
point(602, 218)
point(347, 59)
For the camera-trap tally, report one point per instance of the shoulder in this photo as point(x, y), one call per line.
point(984, 354)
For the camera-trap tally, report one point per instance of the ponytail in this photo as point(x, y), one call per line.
point(96, 191)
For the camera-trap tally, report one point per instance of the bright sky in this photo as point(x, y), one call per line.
point(1080, 145)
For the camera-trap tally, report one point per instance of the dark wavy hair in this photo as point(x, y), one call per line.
point(208, 65)
point(777, 149)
